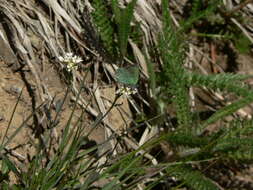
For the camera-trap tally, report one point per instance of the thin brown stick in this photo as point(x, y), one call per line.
point(238, 7)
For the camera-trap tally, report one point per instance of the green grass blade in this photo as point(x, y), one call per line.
point(125, 26)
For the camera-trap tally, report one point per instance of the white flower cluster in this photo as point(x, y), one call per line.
point(71, 61)
point(127, 91)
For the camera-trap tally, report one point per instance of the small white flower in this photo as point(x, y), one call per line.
point(71, 61)
point(61, 59)
point(125, 90)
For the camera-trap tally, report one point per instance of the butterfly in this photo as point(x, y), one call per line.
point(128, 76)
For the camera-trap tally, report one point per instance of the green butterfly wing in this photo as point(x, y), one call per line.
point(128, 75)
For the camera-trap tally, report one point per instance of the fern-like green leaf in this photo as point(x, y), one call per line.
point(242, 127)
point(193, 179)
point(233, 143)
point(171, 49)
point(197, 15)
point(245, 154)
point(229, 109)
point(103, 24)
point(196, 4)
point(226, 81)
point(186, 139)
point(236, 140)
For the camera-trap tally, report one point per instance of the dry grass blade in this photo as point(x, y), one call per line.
point(150, 22)
point(58, 10)
point(246, 9)
point(140, 58)
point(8, 55)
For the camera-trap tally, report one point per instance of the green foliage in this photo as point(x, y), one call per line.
point(71, 167)
point(232, 142)
point(61, 170)
point(124, 26)
point(188, 141)
point(116, 10)
point(242, 43)
point(136, 33)
point(211, 21)
point(225, 82)
point(114, 38)
point(196, 6)
point(104, 25)
point(227, 110)
point(127, 167)
point(171, 50)
point(236, 142)
point(200, 10)
point(192, 178)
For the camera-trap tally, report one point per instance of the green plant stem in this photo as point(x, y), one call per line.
point(12, 116)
